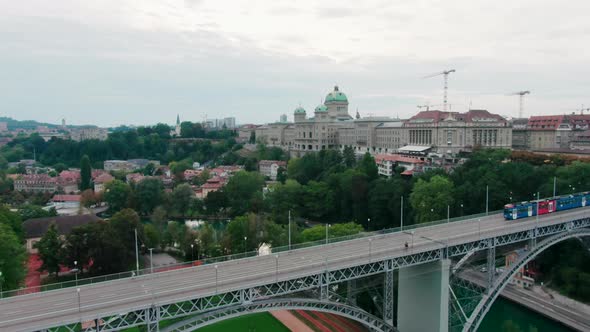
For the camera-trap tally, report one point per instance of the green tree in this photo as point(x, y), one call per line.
point(181, 198)
point(13, 257)
point(349, 157)
point(85, 173)
point(152, 236)
point(318, 232)
point(159, 218)
point(117, 194)
point(77, 247)
point(430, 199)
point(244, 192)
point(216, 202)
point(50, 249)
point(150, 193)
point(12, 220)
point(60, 167)
point(368, 166)
point(124, 223)
point(252, 139)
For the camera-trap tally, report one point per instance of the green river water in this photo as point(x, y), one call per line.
point(506, 316)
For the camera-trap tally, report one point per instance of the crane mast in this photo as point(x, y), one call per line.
point(446, 86)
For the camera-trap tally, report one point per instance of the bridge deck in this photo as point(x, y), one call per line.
point(46, 309)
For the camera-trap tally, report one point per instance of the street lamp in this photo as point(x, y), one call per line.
point(277, 268)
point(216, 279)
point(76, 271)
point(78, 291)
point(1, 280)
point(461, 209)
point(327, 226)
point(192, 252)
point(151, 260)
point(245, 238)
point(198, 248)
point(368, 224)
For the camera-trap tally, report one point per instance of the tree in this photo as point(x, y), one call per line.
point(244, 192)
point(430, 199)
point(117, 194)
point(12, 220)
point(49, 248)
point(252, 139)
point(159, 218)
point(59, 167)
point(216, 202)
point(85, 173)
point(149, 192)
point(368, 166)
point(349, 157)
point(88, 198)
point(181, 198)
point(318, 232)
point(77, 247)
point(124, 223)
point(13, 257)
point(152, 236)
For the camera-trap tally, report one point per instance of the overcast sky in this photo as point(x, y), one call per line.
point(111, 62)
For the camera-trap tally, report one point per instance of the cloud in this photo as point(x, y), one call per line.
point(143, 61)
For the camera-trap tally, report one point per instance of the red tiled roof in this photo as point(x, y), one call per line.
point(545, 122)
point(469, 116)
point(408, 172)
point(66, 198)
point(75, 175)
point(104, 178)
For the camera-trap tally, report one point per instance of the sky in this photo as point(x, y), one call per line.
point(140, 62)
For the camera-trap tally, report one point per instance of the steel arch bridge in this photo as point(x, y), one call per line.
point(380, 254)
point(344, 310)
point(477, 316)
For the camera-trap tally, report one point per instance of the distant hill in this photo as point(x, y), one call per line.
point(32, 124)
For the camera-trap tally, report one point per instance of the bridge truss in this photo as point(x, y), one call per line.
point(192, 305)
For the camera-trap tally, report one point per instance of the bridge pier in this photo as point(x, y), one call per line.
point(423, 297)
point(152, 319)
point(388, 300)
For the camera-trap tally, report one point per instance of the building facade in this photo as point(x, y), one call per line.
point(270, 168)
point(82, 134)
point(552, 133)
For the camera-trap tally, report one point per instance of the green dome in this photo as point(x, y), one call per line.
point(336, 95)
point(321, 108)
point(299, 110)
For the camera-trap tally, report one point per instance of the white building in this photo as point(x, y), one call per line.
point(270, 168)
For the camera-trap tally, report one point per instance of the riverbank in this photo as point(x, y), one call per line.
point(570, 313)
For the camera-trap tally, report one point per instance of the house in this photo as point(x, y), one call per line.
point(388, 162)
point(270, 168)
point(101, 180)
point(213, 184)
point(66, 201)
point(37, 227)
point(36, 183)
point(523, 278)
point(134, 177)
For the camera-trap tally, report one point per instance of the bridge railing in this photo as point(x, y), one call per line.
point(212, 260)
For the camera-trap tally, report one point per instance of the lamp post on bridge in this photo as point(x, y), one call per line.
point(327, 226)
point(192, 252)
point(245, 245)
point(1, 281)
point(151, 260)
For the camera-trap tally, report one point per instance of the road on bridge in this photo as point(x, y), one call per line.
point(52, 308)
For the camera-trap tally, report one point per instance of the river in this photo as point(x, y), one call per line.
point(507, 316)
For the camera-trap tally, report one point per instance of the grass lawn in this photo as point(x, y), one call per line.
point(261, 322)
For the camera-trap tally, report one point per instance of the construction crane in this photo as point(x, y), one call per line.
point(521, 95)
point(446, 75)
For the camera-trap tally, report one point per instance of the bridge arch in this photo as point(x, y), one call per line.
point(247, 308)
point(500, 283)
